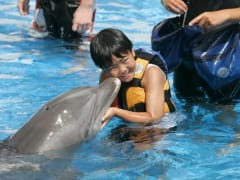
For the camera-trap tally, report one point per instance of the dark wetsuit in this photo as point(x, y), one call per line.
point(59, 15)
point(187, 82)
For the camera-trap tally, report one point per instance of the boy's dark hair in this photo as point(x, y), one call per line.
point(106, 43)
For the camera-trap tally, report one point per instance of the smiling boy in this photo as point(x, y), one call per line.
point(145, 95)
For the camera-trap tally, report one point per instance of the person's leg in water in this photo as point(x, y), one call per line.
point(39, 22)
point(59, 17)
point(191, 87)
point(188, 84)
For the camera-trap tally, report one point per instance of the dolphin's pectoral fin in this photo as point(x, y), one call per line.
point(4, 147)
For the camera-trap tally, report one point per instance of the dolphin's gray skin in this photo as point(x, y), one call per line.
point(66, 120)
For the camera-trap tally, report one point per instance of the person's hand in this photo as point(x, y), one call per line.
point(23, 7)
point(210, 20)
point(108, 115)
point(175, 6)
point(83, 19)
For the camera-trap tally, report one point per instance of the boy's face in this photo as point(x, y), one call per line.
point(123, 67)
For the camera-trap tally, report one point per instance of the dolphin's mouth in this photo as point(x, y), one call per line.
point(117, 84)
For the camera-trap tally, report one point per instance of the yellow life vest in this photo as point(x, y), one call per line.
point(133, 94)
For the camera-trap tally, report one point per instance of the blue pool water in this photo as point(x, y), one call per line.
point(34, 70)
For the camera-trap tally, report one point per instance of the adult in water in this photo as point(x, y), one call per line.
point(64, 18)
point(209, 15)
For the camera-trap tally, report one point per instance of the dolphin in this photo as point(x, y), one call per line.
point(67, 120)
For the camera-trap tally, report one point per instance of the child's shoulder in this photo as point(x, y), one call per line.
point(153, 57)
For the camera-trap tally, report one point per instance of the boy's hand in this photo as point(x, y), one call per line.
point(108, 115)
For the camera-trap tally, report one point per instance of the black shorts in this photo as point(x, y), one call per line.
point(59, 15)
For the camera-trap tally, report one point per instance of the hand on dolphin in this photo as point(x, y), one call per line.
point(108, 115)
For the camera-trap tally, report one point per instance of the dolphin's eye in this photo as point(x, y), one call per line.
point(46, 108)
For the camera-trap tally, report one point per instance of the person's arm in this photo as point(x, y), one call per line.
point(83, 16)
point(175, 6)
point(23, 7)
point(153, 82)
point(212, 19)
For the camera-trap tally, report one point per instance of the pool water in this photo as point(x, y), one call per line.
point(34, 70)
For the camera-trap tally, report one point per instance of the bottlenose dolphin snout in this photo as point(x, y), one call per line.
point(67, 119)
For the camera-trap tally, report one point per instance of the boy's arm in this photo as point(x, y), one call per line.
point(153, 83)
